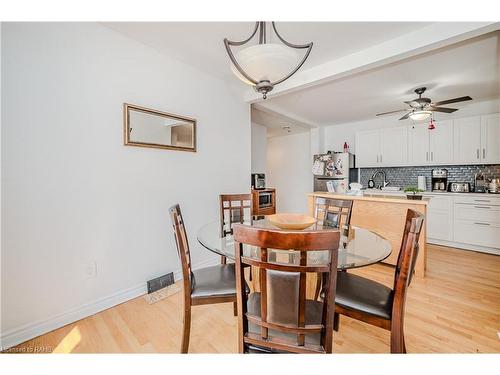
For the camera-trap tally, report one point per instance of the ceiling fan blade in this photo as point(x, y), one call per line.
point(405, 116)
point(386, 113)
point(456, 100)
point(443, 109)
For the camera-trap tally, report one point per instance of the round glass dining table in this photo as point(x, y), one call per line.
point(361, 247)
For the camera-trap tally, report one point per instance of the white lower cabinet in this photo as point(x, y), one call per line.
point(440, 218)
point(475, 232)
point(464, 221)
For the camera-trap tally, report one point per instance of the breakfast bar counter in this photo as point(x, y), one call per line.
point(384, 215)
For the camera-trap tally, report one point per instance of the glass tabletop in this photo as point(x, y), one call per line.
point(360, 248)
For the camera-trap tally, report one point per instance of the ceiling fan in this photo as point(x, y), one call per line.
point(422, 108)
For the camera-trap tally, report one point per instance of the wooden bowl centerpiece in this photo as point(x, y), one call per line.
point(291, 221)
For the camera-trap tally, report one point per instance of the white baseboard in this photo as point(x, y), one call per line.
point(464, 246)
point(28, 331)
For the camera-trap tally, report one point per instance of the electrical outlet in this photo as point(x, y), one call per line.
point(90, 270)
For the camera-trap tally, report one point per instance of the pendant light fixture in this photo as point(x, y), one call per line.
point(265, 65)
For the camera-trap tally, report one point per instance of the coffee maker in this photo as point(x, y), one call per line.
point(439, 179)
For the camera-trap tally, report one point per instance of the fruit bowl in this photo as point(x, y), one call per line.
point(291, 221)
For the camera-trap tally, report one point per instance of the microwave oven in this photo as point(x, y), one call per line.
point(265, 199)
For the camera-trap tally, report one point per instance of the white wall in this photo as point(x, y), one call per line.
point(336, 135)
point(289, 165)
point(259, 148)
point(72, 194)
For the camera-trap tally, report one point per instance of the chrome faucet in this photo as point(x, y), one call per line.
point(385, 182)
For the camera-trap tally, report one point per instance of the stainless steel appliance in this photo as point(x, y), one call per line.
point(439, 179)
point(265, 199)
point(258, 181)
point(459, 187)
point(480, 185)
point(334, 167)
point(494, 186)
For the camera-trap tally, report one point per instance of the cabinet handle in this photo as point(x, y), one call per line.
point(427, 156)
point(432, 155)
point(484, 153)
point(377, 158)
point(381, 158)
point(482, 207)
point(482, 200)
point(482, 224)
point(477, 153)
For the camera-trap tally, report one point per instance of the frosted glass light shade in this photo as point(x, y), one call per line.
point(420, 115)
point(265, 62)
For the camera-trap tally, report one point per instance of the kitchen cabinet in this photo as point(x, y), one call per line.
point(490, 138)
point(467, 139)
point(440, 218)
point(368, 148)
point(394, 146)
point(441, 143)
point(431, 146)
point(382, 147)
point(418, 145)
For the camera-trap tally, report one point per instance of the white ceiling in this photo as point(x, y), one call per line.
point(277, 124)
point(467, 68)
point(201, 43)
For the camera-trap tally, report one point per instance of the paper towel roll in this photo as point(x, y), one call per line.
point(422, 183)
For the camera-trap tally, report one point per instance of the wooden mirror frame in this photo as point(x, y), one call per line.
point(126, 128)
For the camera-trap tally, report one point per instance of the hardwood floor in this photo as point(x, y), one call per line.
point(455, 309)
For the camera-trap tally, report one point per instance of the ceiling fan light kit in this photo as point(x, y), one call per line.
point(266, 64)
point(420, 115)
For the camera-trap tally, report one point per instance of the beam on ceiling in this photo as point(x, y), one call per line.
point(427, 39)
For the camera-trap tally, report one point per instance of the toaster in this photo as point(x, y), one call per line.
point(459, 187)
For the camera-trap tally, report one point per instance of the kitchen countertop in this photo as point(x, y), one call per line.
point(386, 198)
point(401, 192)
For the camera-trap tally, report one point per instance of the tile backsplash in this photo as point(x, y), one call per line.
point(407, 176)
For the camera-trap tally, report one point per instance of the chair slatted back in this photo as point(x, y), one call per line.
point(407, 258)
point(234, 208)
point(182, 243)
point(285, 283)
point(335, 213)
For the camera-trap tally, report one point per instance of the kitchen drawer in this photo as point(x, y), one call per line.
point(487, 199)
point(476, 233)
point(444, 203)
point(478, 212)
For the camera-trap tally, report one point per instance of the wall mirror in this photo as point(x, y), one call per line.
point(146, 127)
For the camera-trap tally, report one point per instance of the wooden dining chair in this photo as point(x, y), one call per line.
point(210, 285)
point(234, 208)
point(366, 300)
point(334, 213)
point(279, 318)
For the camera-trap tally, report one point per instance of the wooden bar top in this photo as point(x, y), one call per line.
point(399, 199)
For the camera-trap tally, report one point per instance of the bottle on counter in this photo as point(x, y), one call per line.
point(346, 147)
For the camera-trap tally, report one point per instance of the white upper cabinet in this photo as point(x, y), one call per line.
point(430, 146)
point(468, 140)
point(441, 143)
point(490, 138)
point(368, 148)
point(418, 145)
point(394, 146)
